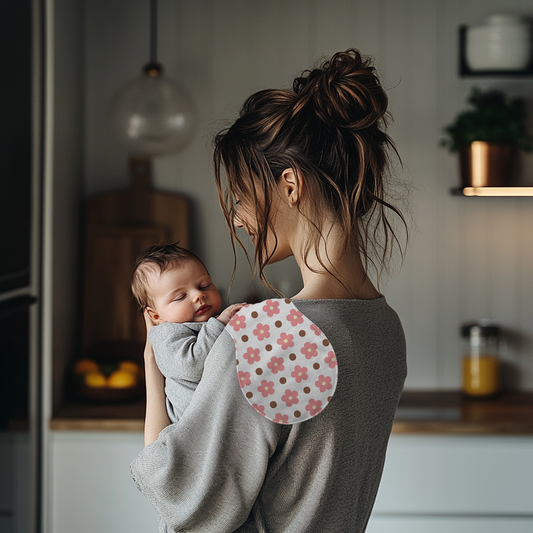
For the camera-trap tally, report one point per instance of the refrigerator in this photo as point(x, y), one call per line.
point(21, 90)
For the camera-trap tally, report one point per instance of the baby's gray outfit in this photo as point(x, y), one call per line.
point(180, 351)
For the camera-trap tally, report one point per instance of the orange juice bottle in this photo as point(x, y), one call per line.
point(481, 363)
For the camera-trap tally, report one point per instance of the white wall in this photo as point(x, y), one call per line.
point(468, 258)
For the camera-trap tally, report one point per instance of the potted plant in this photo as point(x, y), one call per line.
point(487, 137)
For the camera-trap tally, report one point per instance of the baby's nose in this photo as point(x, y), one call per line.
point(199, 295)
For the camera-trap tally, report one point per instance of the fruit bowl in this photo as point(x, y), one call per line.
point(110, 372)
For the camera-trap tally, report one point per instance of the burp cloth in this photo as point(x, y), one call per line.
point(286, 367)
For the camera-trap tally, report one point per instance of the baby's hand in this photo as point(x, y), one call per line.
point(229, 312)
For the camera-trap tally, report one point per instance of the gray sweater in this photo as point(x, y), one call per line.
point(180, 351)
point(225, 468)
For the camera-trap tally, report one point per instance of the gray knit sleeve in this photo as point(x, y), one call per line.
point(181, 349)
point(204, 472)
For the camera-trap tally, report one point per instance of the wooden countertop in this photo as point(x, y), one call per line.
point(85, 416)
point(450, 412)
point(440, 412)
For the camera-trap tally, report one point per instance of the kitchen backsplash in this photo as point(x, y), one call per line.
point(467, 258)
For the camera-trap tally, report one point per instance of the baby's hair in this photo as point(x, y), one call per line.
point(157, 259)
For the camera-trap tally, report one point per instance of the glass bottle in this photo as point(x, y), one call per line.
point(481, 362)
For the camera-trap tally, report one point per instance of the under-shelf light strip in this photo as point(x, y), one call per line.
point(498, 191)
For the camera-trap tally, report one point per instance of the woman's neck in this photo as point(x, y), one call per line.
point(346, 277)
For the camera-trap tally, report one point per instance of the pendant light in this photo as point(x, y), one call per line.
point(152, 115)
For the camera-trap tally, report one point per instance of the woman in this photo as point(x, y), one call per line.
point(304, 177)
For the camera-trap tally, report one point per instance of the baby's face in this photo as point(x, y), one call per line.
point(185, 294)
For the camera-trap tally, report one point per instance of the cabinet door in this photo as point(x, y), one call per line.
point(92, 488)
point(379, 524)
point(453, 475)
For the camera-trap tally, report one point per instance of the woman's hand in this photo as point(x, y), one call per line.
point(156, 410)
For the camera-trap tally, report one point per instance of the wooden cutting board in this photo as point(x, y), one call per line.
point(119, 225)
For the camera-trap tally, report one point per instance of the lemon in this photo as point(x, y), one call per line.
point(129, 366)
point(121, 379)
point(82, 366)
point(95, 379)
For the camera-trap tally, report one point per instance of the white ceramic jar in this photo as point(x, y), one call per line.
point(503, 42)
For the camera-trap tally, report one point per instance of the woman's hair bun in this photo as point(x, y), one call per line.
point(343, 92)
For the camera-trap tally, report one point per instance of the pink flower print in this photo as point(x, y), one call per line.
point(309, 350)
point(238, 322)
point(323, 383)
point(252, 355)
point(315, 329)
point(271, 308)
point(299, 373)
point(290, 397)
point(295, 317)
point(266, 388)
point(281, 419)
point(262, 332)
point(331, 360)
point(244, 378)
point(285, 341)
point(314, 407)
point(276, 365)
point(259, 408)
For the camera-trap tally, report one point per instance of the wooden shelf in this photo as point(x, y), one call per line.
point(499, 192)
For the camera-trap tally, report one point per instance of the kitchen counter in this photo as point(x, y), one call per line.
point(84, 416)
point(450, 412)
point(440, 412)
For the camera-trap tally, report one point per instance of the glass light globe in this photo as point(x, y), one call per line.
point(152, 115)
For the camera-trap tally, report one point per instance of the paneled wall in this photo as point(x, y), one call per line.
point(467, 258)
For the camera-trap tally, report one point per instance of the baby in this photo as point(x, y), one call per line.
point(174, 287)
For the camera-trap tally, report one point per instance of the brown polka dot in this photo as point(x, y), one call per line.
point(268, 347)
point(249, 394)
point(316, 366)
point(254, 314)
point(297, 414)
point(329, 398)
point(325, 342)
point(287, 301)
point(278, 323)
point(237, 361)
point(244, 338)
point(258, 371)
point(302, 333)
point(282, 381)
point(307, 390)
point(292, 356)
point(273, 405)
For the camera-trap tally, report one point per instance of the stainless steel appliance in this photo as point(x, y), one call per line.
point(20, 170)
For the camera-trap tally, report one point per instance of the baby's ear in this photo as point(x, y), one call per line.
point(153, 315)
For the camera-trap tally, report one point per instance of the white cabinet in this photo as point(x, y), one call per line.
point(15, 487)
point(431, 484)
point(456, 484)
point(423, 524)
point(92, 489)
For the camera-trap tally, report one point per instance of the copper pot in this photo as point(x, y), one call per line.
point(485, 164)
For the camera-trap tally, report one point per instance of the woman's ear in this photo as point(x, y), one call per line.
point(291, 186)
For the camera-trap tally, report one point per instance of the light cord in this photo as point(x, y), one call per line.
point(153, 31)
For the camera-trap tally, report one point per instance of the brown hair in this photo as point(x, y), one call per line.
point(330, 129)
point(157, 258)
